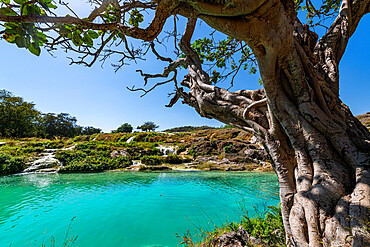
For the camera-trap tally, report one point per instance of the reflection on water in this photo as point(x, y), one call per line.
point(124, 208)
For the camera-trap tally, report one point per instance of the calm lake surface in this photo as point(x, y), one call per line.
point(124, 209)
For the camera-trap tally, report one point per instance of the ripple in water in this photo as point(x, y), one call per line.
point(125, 209)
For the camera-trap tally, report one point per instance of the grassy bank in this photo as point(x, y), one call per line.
point(266, 228)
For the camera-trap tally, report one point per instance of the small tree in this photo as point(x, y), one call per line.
point(18, 118)
point(124, 128)
point(148, 126)
point(61, 124)
point(89, 130)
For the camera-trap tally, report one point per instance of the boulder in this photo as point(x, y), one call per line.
point(240, 238)
point(137, 167)
point(119, 153)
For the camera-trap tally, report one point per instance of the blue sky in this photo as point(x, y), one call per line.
point(98, 96)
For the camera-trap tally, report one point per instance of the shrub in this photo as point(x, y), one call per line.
point(11, 165)
point(267, 226)
point(124, 128)
point(193, 153)
point(151, 160)
point(172, 159)
point(229, 148)
point(67, 156)
point(96, 164)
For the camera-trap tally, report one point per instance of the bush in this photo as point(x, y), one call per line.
point(86, 145)
point(267, 226)
point(151, 160)
point(172, 159)
point(96, 164)
point(124, 128)
point(229, 148)
point(67, 156)
point(11, 165)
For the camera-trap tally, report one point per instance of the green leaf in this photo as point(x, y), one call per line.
point(20, 41)
point(44, 5)
point(93, 34)
point(20, 31)
point(88, 40)
point(7, 11)
point(20, 1)
point(31, 10)
point(35, 49)
point(76, 38)
point(135, 18)
point(51, 6)
point(5, 1)
point(27, 41)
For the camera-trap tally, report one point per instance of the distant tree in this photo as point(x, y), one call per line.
point(18, 118)
point(148, 126)
point(61, 124)
point(124, 128)
point(89, 130)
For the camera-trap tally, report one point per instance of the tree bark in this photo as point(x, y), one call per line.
point(319, 150)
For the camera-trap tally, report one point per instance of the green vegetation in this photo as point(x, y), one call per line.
point(148, 126)
point(10, 165)
point(189, 128)
point(266, 226)
point(19, 118)
point(16, 154)
point(124, 128)
point(101, 152)
point(91, 157)
point(229, 148)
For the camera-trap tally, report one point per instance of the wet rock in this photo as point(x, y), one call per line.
point(191, 166)
point(47, 162)
point(158, 168)
point(119, 153)
point(240, 238)
point(167, 150)
point(137, 167)
point(211, 160)
point(204, 148)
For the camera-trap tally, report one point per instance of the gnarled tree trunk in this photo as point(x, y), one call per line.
point(319, 150)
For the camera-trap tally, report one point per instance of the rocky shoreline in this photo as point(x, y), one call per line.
point(204, 150)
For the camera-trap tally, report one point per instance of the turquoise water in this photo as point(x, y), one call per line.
point(117, 209)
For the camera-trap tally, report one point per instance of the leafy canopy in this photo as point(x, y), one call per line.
point(97, 36)
point(148, 126)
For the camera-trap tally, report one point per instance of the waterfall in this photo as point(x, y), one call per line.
point(167, 150)
point(47, 163)
point(130, 139)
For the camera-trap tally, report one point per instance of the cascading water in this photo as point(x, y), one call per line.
point(130, 139)
point(167, 150)
point(47, 163)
